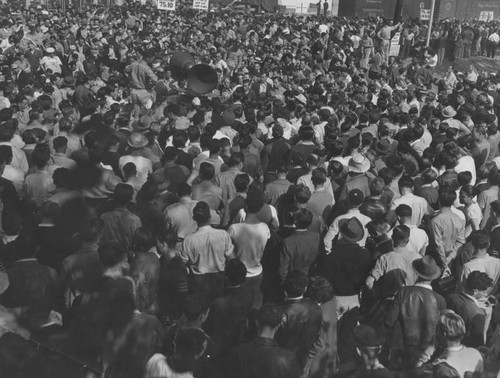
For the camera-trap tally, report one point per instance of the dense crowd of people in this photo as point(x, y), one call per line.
point(328, 210)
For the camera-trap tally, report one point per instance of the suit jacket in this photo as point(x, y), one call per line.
point(417, 309)
point(263, 358)
point(302, 326)
point(473, 316)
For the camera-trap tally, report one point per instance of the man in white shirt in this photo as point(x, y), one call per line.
point(493, 41)
point(418, 239)
point(400, 259)
point(355, 198)
point(51, 61)
point(481, 260)
point(420, 207)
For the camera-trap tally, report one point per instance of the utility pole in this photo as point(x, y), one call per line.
point(431, 20)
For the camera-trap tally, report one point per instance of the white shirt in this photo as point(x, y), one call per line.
point(419, 240)
point(143, 165)
point(53, 63)
point(494, 38)
point(334, 228)
point(419, 206)
point(466, 163)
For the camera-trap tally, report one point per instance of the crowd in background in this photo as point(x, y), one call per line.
point(330, 209)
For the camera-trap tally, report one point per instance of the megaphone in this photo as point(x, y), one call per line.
point(201, 78)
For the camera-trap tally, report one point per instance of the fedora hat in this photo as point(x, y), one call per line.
point(351, 229)
point(366, 336)
point(427, 268)
point(69, 81)
point(144, 123)
point(137, 140)
point(359, 164)
point(449, 112)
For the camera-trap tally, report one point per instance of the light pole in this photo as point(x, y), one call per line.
point(431, 20)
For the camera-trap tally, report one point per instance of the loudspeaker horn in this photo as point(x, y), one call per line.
point(201, 78)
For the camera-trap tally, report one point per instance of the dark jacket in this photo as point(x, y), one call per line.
point(263, 358)
point(417, 309)
point(473, 316)
point(346, 268)
point(302, 327)
point(31, 284)
point(228, 316)
point(298, 252)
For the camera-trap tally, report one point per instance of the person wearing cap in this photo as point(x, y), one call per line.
point(347, 267)
point(417, 309)
point(357, 178)
point(51, 61)
point(355, 200)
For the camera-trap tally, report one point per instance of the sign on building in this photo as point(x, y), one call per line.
point(425, 14)
point(166, 4)
point(200, 4)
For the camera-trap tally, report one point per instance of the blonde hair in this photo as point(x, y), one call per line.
point(453, 326)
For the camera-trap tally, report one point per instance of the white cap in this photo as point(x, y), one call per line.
point(50, 50)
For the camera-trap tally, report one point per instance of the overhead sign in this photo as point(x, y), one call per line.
point(200, 4)
point(425, 14)
point(166, 4)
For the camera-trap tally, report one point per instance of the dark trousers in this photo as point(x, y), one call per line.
point(492, 49)
point(211, 285)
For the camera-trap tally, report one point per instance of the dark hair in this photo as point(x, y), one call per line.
point(319, 290)
point(41, 155)
point(447, 197)
point(111, 253)
point(477, 280)
point(235, 159)
point(404, 211)
point(269, 315)
point(241, 182)
point(123, 194)
point(302, 193)
point(207, 171)
point(143, 240)
point(235, 272)
point(295, 284)
point(405, 182)
point(400, 234)
point(480, 239)
point(318, 176)
point(5, 155)
point(254, 202)
point(59, 142)
point(201, 212)
point(302, 218)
